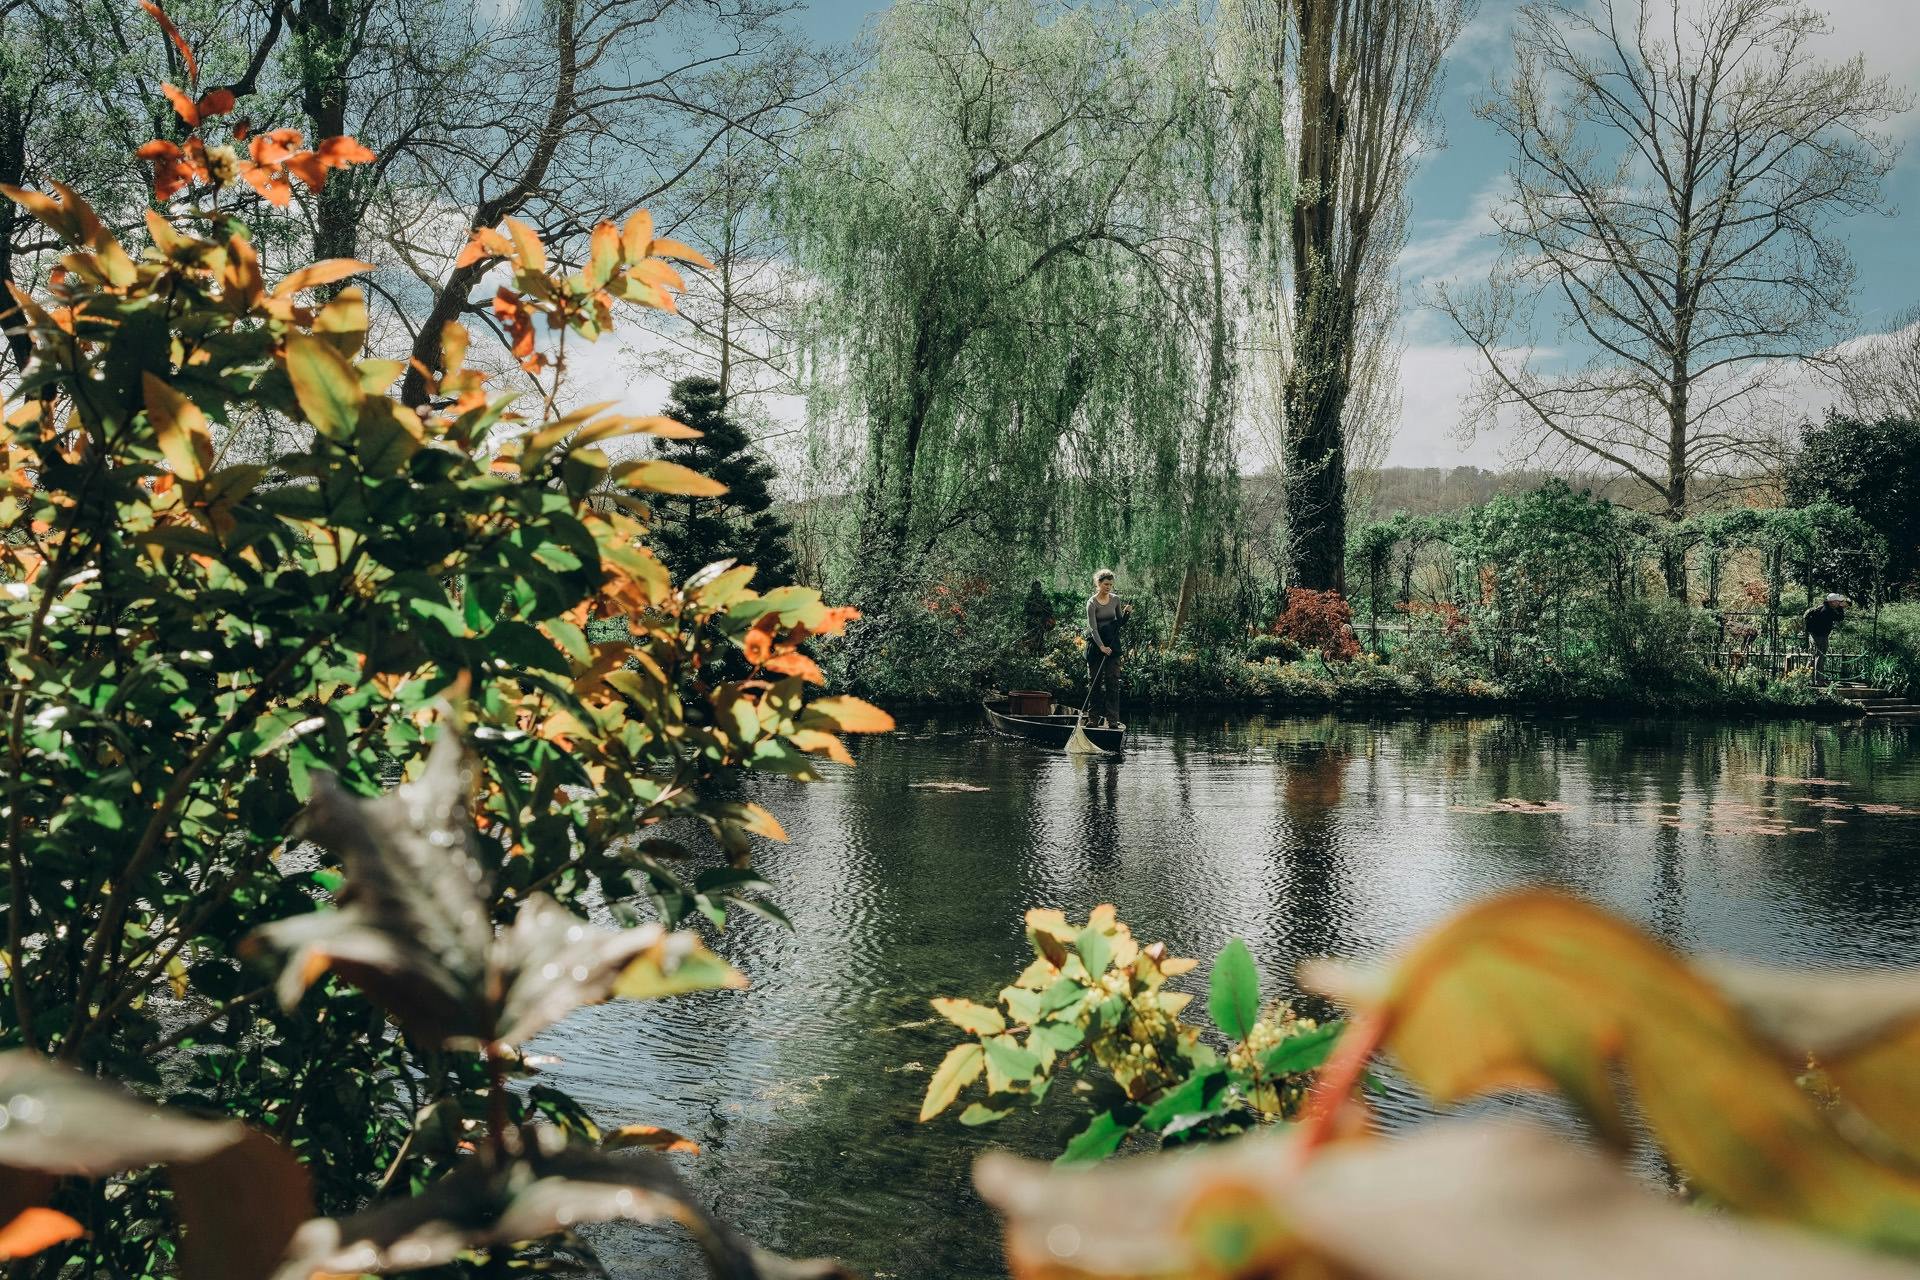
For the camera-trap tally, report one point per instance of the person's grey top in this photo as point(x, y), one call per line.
point(1102, 620)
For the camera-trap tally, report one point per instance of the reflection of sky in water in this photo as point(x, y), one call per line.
point(1306, 837)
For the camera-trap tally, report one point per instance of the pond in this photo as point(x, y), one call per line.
point(909, 876)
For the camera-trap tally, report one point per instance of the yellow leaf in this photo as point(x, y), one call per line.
point(819, 742)
point(636, 237)
point(180, 429)
point(653, 425)
point(678, 963)
point(657, 475)
point(326, 386)
point(968, 1016)
point(605, 257)
point(324, 272)
point(960, 1068)
point(453, 345)
point(343, 321)
point(853, 715)
point(674, 249)
point(377, 375)
point(1537, 989)
point(531, 253)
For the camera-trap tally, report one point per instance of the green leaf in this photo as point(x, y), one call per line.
point(1061, 1037)
point(980, 1113)
point(1201, 1095)
point(1233, 995)
point(960, 1068)
point(1307, 1051)
point(1063, 994)
point(1102, 1136)
point(1008, 1064)
point(521, 645)
point(326, 386)
point(1096, 952)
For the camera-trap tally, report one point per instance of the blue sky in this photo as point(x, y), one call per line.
point(1454, 186)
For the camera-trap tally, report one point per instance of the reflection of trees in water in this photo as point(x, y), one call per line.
point(1312, 915)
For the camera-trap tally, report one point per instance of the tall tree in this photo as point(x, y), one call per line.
point(986, 301)
point(691, 532)
point(1356, 81)
point(1678, 175)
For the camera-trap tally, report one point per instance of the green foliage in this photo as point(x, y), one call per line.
point(1094, 998)
point(1893, 649)
point(692, 531)
point(1873, 469)
point(194, 643)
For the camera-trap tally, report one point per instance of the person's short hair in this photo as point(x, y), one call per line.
point(1101, 575)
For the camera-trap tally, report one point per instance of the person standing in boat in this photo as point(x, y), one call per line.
point(1105, 613)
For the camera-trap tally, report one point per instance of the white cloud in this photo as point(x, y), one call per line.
point(1434, 379)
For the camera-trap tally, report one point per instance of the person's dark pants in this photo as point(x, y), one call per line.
point(1818, 643)
point(1103, 683)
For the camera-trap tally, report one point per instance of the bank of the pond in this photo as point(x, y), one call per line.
point(1173, 680)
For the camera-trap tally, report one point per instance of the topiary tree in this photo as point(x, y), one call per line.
point(691, 531)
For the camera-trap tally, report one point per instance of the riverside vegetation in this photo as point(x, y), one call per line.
point(201, 648)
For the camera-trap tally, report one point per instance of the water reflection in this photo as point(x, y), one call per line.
point(1311, 836)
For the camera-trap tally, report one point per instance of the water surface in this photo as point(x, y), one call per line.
point(908, 878)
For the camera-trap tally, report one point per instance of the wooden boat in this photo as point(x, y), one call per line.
point(1051, 730)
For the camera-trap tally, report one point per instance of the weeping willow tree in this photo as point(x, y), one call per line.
point(1017, 321)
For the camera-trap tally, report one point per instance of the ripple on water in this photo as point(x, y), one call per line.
point(1307, 837)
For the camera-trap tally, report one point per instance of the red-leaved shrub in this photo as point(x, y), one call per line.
point(1319, 620)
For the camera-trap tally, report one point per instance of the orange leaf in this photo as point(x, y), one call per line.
point(268, 181)
point(486, 242)
point(796, 664)
point(680, 252)
point(836, 620)
point(241, 277)
point(274, 146)
point(636, 237)
point(183, 105)
point(651, 1137)
point(35, 1229)
point(340, 151)
point(758, 646)
point(173, 34)
point(216, 102)
point(606, 254)
point(308, 167)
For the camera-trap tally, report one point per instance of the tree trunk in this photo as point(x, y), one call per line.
point(1314, 397)
point(13, 168)
point(326, 52)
